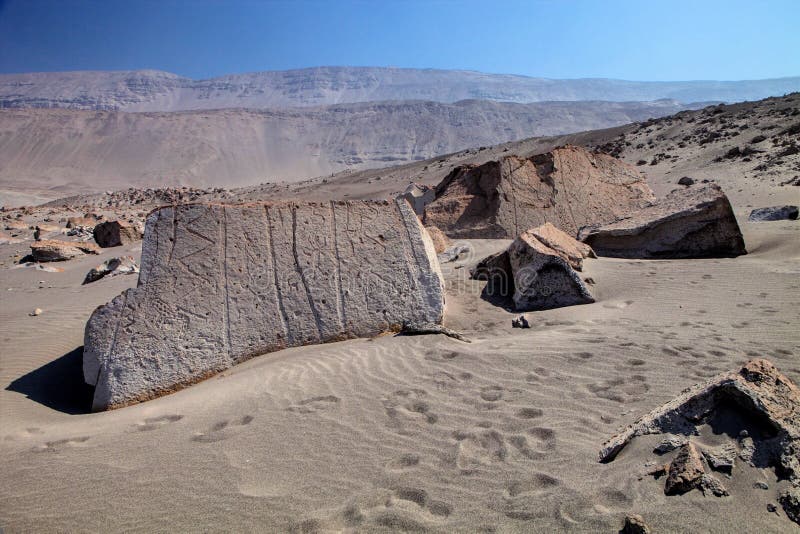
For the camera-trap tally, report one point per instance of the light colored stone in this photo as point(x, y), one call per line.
point(54, 250)
point(112, 267)
point(569, 187)
point(691, 222)
point(418, 196)
point(220, 284)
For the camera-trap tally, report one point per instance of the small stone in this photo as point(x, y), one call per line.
point(520, 322)
point(709, 484)
point(761, 485)
point(771, 507)
point(685, 181)
point(685, 471)
point(589, 280)
point(36, 312)
point(634, 524)
point(774, 213)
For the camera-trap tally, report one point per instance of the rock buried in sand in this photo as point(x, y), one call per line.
point(685, 471)
point(692, 222)
point(774, 213)
point(634, 524)
point(112, 267)
point(570, 187)
point(221, 284)
point(54, 250)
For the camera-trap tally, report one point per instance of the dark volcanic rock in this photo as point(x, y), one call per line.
point(774, 213)
point(223, 283)
point(569, 187)
point(693, 222)
point(116, 233)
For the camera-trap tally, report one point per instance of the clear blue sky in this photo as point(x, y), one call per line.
point(635, 40)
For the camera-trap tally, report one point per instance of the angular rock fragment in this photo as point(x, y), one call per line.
point(685, 471)
point(419, 196)
point(774, 213)
point(543, 279)
point(634, 524)
point(720, 458)
point(570, 187)
point(567, 246)
point(222, 283)
point(116, 233)
point(112, 267)
point(54, 250)
point(692, 222)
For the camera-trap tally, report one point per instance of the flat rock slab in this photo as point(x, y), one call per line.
point(222, 283)
point(569, 187)
point(55, 250)
point(692, 222)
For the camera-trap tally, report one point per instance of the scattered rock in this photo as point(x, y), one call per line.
point(634, 524)
point(330, 271)
point(520, 322)
point(670, 443)
point(88, 220)
point(112, 267)
point(36, 312)
point(771, 507)
point(709, 484)
point(761, 485)
point(685, 471)
point(570, 187)
point(116, 233)
point(721, 458)
point(589, 280)
point(54, 250)
point(81, 232)
point(411, 328)
point(694, 222)
point(686, 181)
point(455, 253)
point(790, 500)
point(774, 213)
point(440, 241)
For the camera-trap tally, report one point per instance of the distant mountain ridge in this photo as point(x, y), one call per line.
point(150, 90)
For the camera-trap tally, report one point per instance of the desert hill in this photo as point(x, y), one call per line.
point(148, 90)
point(55, 152)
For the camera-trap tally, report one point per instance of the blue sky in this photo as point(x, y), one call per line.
point(635, 40)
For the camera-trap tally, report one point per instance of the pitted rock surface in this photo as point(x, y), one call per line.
point(569, 187)
point(222, 283)
point(692, 222)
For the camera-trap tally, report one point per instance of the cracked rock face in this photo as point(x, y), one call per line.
point(693, 222)
point(220, 284)
point(569, 187)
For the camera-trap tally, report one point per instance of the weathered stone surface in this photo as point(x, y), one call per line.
point(670, 443)
point(112, 267)
point(543, 279)
point(569, 187)
point(116, 233)
point(758, 390)
point(790, 500)
point(692, 222)
point(419, 196)
point(685, 471)
point(220, 284)
point(720, 458)
point(54, 250)
point(567, 246)
point(634, 524)
point(774, 213)
point(440, 241)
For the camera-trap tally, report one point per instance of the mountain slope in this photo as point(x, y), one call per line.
point(75, 151)
point(162, 91)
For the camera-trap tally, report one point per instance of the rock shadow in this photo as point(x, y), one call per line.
point(58, 385)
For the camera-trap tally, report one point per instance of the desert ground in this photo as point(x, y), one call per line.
point(422, 433)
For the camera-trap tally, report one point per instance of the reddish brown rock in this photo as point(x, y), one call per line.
point(54, 250)
point(116, 233)
point(685, 472)
point(569, 248)
point(569, 187)
point(440, 241)
point(693, 222)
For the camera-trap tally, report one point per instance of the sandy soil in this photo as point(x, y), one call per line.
point(393, 433)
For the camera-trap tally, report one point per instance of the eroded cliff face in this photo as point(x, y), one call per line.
point(569, 187)
point(222, 283)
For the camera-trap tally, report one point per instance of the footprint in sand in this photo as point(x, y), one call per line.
point(617, 304)
point(61, 444)
point(152, 423)
point(315, 404)
point(222, 430)
point(492, 393)
point(404, 461)
point(620, 389)
point(406, 406)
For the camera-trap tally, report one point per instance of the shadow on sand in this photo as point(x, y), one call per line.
point(58, 385)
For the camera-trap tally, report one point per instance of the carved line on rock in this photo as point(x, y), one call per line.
point(405, 243)
point(279, 300)
point(338, 274)
point(225, 270)
point(299, 269)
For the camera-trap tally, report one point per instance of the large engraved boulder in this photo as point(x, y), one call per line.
point(222, 283)
point(569, 187)
point(692, 222)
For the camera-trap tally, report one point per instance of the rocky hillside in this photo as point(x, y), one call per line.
point(68, 151)
point(149, 90)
